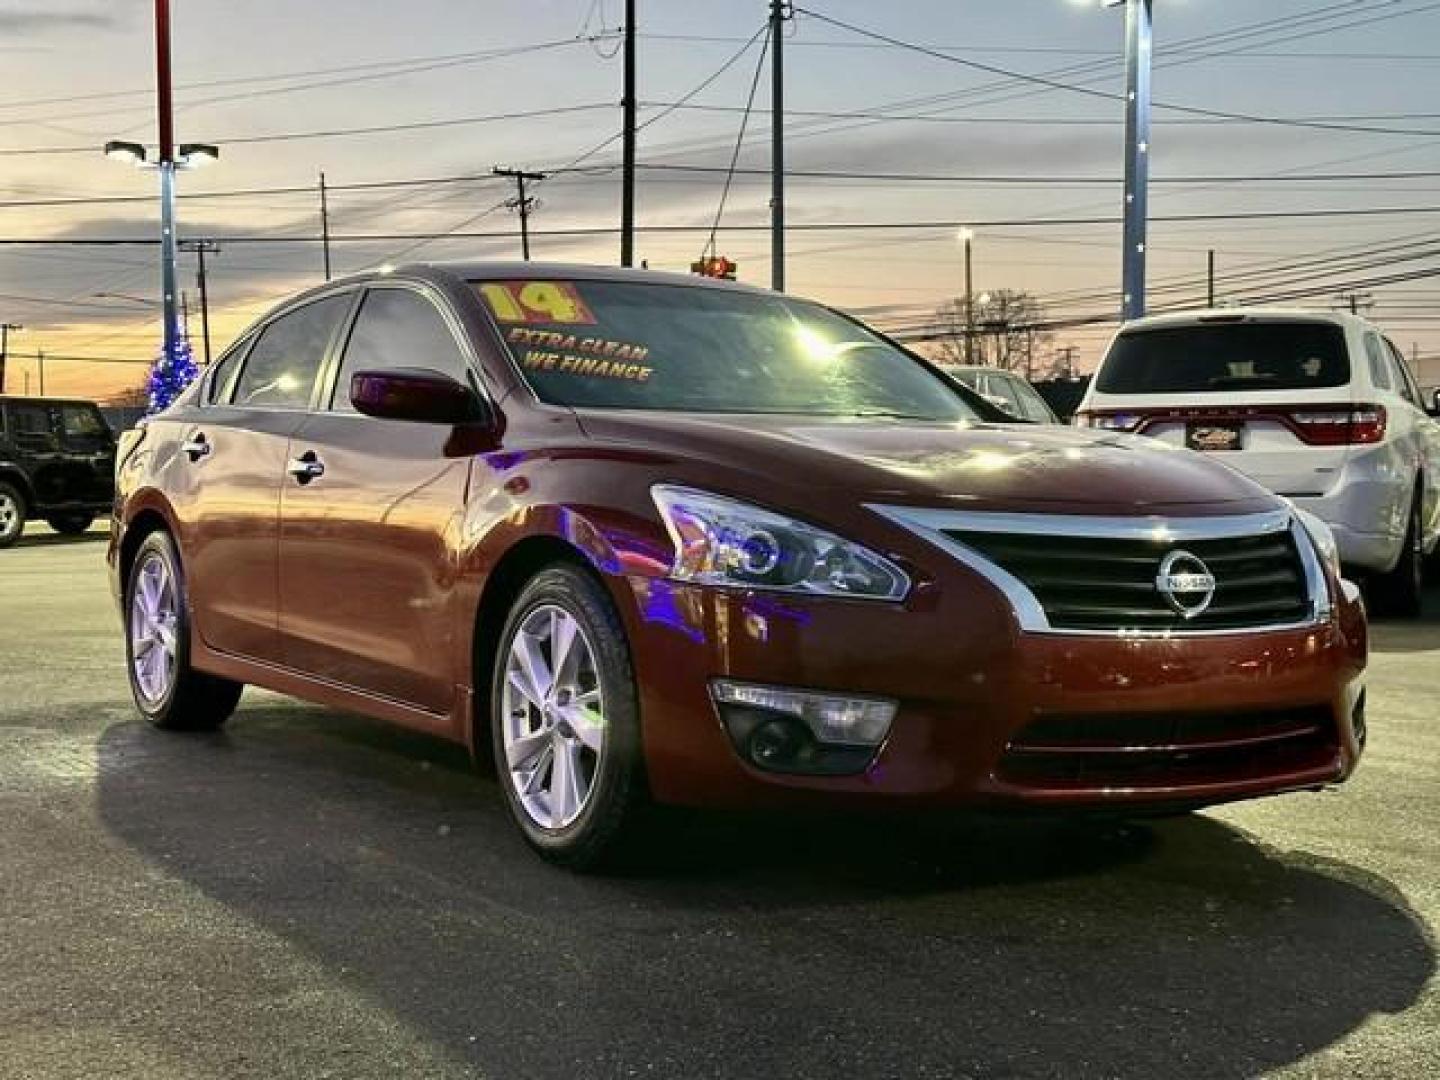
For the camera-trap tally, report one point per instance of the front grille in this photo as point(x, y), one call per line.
point(1108, 583)
point(1142, 750)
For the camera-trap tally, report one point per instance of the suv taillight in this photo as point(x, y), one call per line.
point(1338, 425)
point(1108, 421)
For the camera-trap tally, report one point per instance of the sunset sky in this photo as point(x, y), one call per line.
point(276, 82)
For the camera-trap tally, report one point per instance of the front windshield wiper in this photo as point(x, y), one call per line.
point(887, 414)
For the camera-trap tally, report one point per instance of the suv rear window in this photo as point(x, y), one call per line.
point(1227, 357)
point(631, 345)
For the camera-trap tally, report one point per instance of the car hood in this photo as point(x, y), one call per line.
point(975, 466)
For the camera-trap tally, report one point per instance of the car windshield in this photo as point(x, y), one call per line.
point(1277, 355)
point(629, 345)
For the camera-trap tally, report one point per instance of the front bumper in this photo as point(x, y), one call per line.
point(973, 691)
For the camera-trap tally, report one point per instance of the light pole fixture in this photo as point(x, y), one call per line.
point(166, 161)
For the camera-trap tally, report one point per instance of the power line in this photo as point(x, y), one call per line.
point(1075, 88)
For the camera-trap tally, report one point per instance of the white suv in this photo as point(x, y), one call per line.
point(1316, 406)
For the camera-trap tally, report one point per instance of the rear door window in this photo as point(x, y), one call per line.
point(1226, 357)
point(280, 370)
point(31, 428)
point(83, 428)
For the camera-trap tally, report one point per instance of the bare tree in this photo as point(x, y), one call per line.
point(1005, 328)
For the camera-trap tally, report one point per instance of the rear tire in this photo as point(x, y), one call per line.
point(1398, 593)
point(565, 720)
point(12, 514)
point(167, 690)
point(70, 524)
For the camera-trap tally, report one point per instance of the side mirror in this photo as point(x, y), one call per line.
point(421, 395)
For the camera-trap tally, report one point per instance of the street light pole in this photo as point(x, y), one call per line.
point(166, 164)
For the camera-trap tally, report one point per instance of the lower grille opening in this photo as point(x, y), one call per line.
point(1141, 750)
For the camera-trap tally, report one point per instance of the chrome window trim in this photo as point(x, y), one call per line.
point(930, 524)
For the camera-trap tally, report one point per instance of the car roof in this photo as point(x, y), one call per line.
point(1247, 314)
point(506, 270)
point(48, 399)
point(980, 369)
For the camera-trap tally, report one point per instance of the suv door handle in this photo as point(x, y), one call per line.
point(197, 446)
point(306, 467)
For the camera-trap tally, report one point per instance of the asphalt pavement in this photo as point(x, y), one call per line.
point(308, 894)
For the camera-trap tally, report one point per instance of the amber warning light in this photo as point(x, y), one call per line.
point(716, 266)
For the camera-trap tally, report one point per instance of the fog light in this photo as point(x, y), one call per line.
point(798, 731)
point(832, 719)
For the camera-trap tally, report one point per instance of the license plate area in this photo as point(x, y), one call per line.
point(1214, 438)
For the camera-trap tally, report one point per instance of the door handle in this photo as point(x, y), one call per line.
point(306, 467)
point(197, 446)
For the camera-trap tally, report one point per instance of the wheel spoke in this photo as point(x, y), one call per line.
point(563, 654)
point(521, 682)
point(566, 782)
point(533, 783)
point(532, 662)
point(522, 752)
point(587, 723)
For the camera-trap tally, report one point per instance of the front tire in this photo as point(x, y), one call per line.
point(70, 524)
point(565, 720)
point(167, 690)
point(1398, 593)
point(12, 514)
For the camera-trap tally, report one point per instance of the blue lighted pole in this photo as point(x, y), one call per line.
point(1138, 44)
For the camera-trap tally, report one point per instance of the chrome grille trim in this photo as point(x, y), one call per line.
point(932, 525)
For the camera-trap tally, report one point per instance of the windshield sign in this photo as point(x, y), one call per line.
point(609, 344)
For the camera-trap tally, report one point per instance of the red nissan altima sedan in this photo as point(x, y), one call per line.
point(648, 537)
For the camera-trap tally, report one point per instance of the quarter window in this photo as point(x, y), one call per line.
point(1404, 384)
point(397, 328)
point(281, 369)
point(1379, 369)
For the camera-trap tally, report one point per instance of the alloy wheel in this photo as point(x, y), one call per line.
point(153, 618)
point(553, 716)
point(9, 515)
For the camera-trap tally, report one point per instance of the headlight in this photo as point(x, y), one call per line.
point(720, 541)
point(1323, 539)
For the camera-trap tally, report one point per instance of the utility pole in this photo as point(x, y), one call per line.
point(780, 11)
point(40, 365)
point(627, 168)
point(166, 164)
point(1210, 278)
point(1138, 41)
point(201, 248)
point(1354, 301)
point(5, 328)
point(521, 203)
point(324, 238)
point(1067, 354)
point(967, 237)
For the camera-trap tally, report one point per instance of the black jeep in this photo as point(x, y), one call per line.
point(57, 462)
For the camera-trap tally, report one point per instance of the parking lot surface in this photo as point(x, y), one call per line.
point(308, 894)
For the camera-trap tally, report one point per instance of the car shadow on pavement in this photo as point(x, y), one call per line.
point(762, 947)
point(1420, 634)
point(54, 539)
